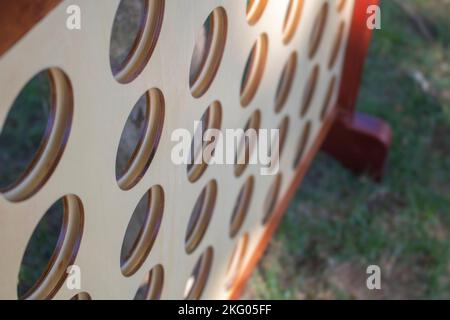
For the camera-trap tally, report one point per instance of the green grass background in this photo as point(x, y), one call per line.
point(339, 223)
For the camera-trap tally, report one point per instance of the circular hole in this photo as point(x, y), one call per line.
point(254, 70)
point(199, 276)
point(140, 138)
point(135, 31)
point(271, 199)
point(255, 9)
point(204, 142)
point(51, 249)
point(327, 101)
point(279, 143)
point(340, 5)
point(309, 90)
point(208, 52)
point(285, 82)
point(241, 206)
point(201, 216)
point(129, 18)
point(34, 134)
point(142, 230)
point(235, 263)
point(317, 31)
point(25, 128)
point(283, 128)
point(292, 19)
point(247, 143)
point(152, 286)
point(82, 296)
point(336, 46)
point(302, 143)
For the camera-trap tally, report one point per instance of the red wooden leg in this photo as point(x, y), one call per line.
point(360, 142)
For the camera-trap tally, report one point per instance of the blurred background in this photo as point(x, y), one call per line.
point(338, 223)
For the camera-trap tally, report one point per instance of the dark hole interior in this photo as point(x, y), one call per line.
point(201, 49)
point(196, 150)
point(135, 227)
point(195, 215)
point(40, 248)
point(126, 31)
point(247, 69)
point(131, 135)
point(24, 128)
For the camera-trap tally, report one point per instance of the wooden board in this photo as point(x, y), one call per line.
point(101, 106)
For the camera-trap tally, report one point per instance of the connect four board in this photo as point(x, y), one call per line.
point(134, 223)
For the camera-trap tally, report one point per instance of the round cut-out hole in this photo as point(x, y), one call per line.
point(135, 31)
point(247, 143)
point(328, 97)
point(82, 296)
point(254, 10)
point(34, 134)
point(271, 199)
point(236, 262)
point(283, 128)
point(292, 19)
point(140, 138)
point(196, 283)
point(336, 46)
point(204, 142)
point(208, 52)
point(152, 286)
point(201, 216)
point(129, 19)
point(142, 230)
point(309, 91)
point(285, 82)
point(25, 128)
point(254, 70)
point(302, 143)
point(52, 248)
point(317, 31)
point(241, 206)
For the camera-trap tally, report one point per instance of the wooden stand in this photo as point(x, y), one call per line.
point(360, 142)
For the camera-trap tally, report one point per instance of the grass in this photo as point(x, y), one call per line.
point(339, 223)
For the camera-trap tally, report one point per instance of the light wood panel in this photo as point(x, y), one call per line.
point(101, 106)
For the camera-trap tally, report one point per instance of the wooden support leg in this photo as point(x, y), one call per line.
point(360, 142)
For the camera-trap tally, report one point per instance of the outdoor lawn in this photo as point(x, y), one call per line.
point(338, 223)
